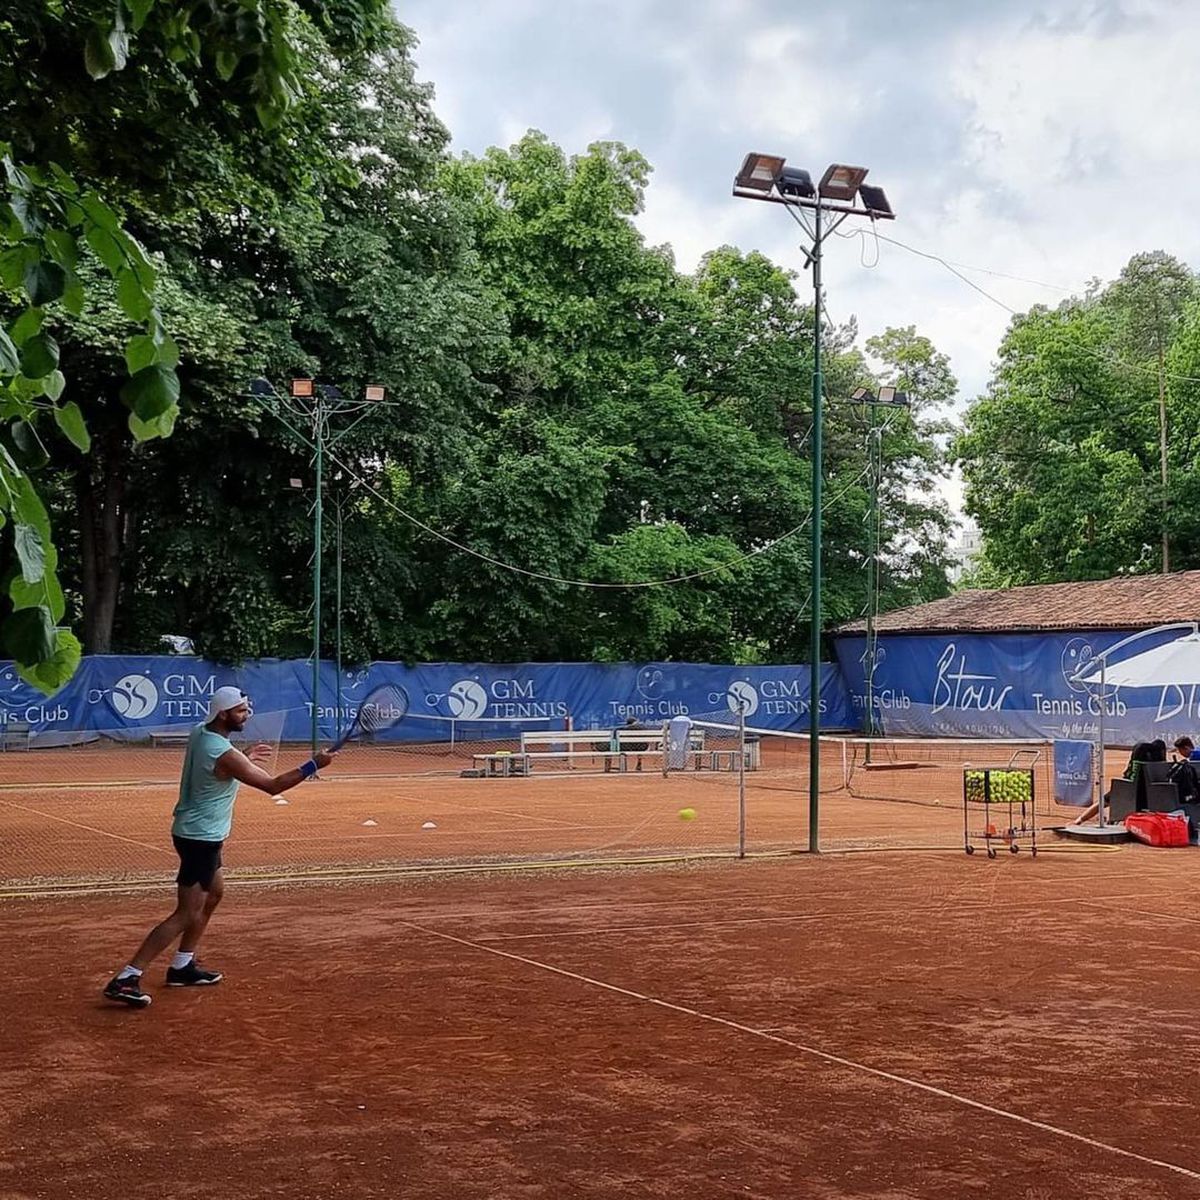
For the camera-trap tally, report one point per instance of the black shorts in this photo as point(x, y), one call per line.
point(198, 862)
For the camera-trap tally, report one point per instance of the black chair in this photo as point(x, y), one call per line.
point(1156, 791)
point(1151, 791)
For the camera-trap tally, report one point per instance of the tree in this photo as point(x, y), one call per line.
point(368, 277)
point(171, 76)
point(1148, 301)
point(1060, 457)
point(914, 522)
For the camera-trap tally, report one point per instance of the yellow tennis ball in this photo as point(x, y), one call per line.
point(687, 814)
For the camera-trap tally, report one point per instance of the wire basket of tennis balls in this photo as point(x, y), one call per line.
point(997, 785)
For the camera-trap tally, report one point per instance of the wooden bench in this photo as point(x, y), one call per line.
point(16, 735)
point(611, 758)
point(566, 737)
point(502, 765)
point(169, 737)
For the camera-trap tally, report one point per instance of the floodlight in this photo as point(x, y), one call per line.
point(795, 181)
point(260, 387)
point(330, 391)
point(375, 392)
point(841, 182)
point(296, 483)
point(759, 172)
point(302, 389)
point(889, 395)
point(875, 202)
point(861, 394)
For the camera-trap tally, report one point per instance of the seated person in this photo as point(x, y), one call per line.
point(1185, 747)
point(1183, 774)
point(1155, 751)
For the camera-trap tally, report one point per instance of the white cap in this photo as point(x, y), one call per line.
point(225, 698)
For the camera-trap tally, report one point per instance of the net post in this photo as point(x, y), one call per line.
point(741, 750)
point(666, 748)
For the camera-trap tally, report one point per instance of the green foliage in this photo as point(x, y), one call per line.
point(170, 77)
point(560, 397)
point(1061, 457)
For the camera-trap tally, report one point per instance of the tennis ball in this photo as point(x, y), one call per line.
point(687, 814)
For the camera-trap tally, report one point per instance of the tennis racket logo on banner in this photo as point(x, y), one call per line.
point(133, 697)
point(467, 700)
point(742, 697)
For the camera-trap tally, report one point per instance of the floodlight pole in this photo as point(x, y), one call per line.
point(814, 686)
point(311, 404)
point(318, 467)
point(875, 449)
point(764, 177)
point(338, 614)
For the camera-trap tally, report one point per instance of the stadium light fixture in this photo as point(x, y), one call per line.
point(875, 201)
point(841, 182)
point(375, 393)
point(795, 182)
point(759, 171)
point(768, 177)
point(302, 389)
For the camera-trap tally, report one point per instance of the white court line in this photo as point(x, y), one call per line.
point(786, 918)
point(833, 914)
point(1162, 916)
point(90, 828)
point(813, 1052)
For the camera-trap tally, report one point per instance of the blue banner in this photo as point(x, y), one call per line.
point(1010, 685)
point(1074, 772)
point(132, 695)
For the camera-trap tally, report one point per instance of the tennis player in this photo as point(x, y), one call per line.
point(212, 771)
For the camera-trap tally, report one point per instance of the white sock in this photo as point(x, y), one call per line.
point(181, 959)
point(128, 972)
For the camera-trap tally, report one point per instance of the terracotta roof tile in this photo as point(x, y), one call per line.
point(1126, 602)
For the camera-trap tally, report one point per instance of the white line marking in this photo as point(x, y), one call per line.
point(90, 828)
point(813, 1052)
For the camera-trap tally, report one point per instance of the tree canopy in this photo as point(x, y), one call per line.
point(1063, 457)
point(584, 451)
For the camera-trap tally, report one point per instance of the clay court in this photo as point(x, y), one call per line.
point(93, 815)
point(872, 1024)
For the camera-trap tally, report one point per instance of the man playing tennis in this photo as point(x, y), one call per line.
point(208, 785)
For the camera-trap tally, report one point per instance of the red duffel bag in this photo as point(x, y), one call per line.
point(1158, 829)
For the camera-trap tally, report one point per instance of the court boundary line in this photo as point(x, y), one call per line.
point(317, 873)
point(717, 923)
point(89, 828)
point(813, 1052)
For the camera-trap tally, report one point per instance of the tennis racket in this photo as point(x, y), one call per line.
point(381, 709)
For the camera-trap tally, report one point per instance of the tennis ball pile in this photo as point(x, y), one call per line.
point(1008, 787)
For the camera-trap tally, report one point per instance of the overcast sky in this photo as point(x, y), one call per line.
point(1049, 141)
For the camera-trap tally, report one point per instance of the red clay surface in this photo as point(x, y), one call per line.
point(875, 1025)
point(68, 816)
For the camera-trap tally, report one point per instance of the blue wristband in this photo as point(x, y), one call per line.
point(308, 769)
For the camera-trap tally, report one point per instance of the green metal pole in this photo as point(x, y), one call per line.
point(814, 690)
point(319, 448)
point(341, 720)
point(872, 569)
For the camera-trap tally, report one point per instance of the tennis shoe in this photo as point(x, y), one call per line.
point(127, 991)
point(193, 975)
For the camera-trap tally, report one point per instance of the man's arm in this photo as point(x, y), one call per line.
point(233, 764)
